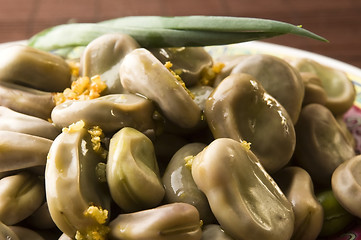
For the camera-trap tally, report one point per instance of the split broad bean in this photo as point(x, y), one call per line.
point(176, 146)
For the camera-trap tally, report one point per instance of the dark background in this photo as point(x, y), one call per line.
point(337, 20)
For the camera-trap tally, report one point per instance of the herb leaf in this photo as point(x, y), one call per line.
point(157, 31)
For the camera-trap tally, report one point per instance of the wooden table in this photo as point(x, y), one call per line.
point(337, 20)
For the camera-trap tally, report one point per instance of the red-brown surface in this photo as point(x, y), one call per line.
point(337, 20)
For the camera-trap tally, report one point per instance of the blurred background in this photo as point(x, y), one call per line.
point(337, 20)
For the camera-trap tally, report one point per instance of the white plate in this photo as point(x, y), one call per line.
point(7, 44)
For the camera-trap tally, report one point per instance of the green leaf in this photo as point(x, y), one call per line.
point(212, 23)
point(156, 31)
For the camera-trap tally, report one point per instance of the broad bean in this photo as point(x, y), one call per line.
point(314, 91)
point(6, 233)
point(152, 119)
point(188, 62)
point(34, 68)
point(176, 221)
point(110, 112)
point(214, 232)
point(11, 120)
point(20, 150)
point(103, 56)
point(336, 218)
point(144, 74)
point(346, 185)
point(321, 144)
point(241, 109)
point(179, 184)
point(72, 186)
point(278, 78)
point(22, 194)
point(245, 200)
point(297, 185)
point(339, 89)
point(132, 171)
point(26, 100)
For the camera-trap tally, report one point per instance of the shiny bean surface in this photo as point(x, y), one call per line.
point(241, 109)
point(142, 73)
point(177, 221)
point(346, 185)
point(314, 91)
point(339, 89)
point(297, 185)
point(188, 62)
point(278, 78)
point(103, 57)
point(245, 200)
point(11, 120)
point(132, 171)
point(20, 150)
point(26, 100)
point(72, 184)
point(321, 144)
point(179, 184)
point(111, 112)
point(172, 144)
point(22, 194)
point(35, 68)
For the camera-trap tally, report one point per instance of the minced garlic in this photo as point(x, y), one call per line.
point(189, 161)
point(210, 74)
point(74, 127)
point(97, 213)
point(246, 145)
point(82, 89)
point(74, 68)
point(217, 67)
point(97, 231)
point(169, 65)
point(96, 134)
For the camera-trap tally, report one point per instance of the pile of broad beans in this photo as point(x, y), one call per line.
point(168, 143)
